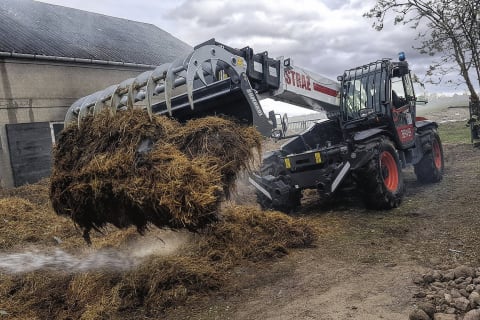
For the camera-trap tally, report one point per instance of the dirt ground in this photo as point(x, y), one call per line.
point(364, 261)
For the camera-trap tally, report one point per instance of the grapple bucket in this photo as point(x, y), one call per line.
point(210, 80)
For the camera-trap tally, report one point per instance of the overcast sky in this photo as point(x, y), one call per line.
point(325, 36)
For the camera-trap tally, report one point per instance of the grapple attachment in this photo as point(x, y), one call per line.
point(213, 79)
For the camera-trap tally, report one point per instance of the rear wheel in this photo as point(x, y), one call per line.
point(430, 168)
point(273, 165)
point(381, 180)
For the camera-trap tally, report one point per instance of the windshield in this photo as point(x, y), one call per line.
point(363, 89)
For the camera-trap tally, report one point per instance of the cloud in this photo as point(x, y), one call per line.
point(325, 36)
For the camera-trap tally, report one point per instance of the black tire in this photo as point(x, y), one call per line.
point(273, 165)
point(430, 168)
point(381, 180)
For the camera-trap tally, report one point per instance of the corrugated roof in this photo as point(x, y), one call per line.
point(32, 27)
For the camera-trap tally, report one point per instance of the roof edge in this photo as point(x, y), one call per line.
point(28, 56)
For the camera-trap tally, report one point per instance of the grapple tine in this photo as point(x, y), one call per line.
point(118, 98)
point(190, 91)
point(114, 101)
point(195, 67)
point(189, 80)
point(100, 103)
point(125, 99)
point(133, 89)
point(131, 95)
point(169, 78)
point(213, 65)
point(89, 101)
point(156, 75)
point(72, 114)
point(81, 114)
point(97, 108)
point(149, 89)
point(200, 75)
point(175, 67)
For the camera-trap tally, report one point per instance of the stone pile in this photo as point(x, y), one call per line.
point(452, 294)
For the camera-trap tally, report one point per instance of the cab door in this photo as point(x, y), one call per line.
point(403, 109)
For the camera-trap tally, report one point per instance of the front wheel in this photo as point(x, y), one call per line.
point(381, 179)
point(430, 168)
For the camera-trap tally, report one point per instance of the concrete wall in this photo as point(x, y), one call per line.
point(42, 91)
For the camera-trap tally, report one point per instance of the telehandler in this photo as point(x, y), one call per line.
point(370, 134)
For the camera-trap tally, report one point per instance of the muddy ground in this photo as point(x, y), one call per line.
point(364, 261)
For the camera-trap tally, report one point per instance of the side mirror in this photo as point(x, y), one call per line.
point(272, 117)
point(284, 124)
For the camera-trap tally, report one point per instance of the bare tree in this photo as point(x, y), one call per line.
point(452, 33)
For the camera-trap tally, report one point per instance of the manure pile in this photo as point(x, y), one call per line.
point(242, 235)
point(129, 170)
point(26, 218)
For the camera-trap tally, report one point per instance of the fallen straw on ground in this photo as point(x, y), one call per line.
point(147, 288)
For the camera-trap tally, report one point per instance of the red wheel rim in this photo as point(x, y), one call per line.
point(389, 171)
point(437, 155)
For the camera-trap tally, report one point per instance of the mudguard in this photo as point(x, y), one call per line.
point(365, 134)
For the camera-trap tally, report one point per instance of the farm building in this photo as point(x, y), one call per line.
point(49, 57)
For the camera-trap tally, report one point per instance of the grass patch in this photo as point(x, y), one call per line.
point(454, 132)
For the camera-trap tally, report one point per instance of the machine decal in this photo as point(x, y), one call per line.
point(404, 124)
point(318, 87)
point(298, 80)
point(406, 133)
point(303, 81)
point(254, 100)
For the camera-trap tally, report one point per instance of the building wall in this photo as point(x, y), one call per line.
point(42, 91)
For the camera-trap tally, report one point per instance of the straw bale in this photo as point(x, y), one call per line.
point(127, 170)
point(99, 177)
point(231, 147)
